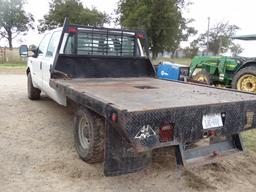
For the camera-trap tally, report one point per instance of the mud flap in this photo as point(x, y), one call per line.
point(207, 154)
point(120, 157)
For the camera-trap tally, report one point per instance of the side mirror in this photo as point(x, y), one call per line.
point(23, 50)
point(33, 48)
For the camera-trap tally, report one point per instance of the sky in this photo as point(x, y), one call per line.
point(238, 12)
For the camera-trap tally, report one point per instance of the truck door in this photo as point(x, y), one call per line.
point(37, 62)
point(49, 58)
point(46, 66)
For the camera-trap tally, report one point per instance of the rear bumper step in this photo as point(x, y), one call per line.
point(198, 156)
point(122, 158)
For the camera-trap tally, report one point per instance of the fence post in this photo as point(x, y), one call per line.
point(2, 55)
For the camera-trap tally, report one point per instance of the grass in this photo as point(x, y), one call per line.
point(184, 61)
point(13, 65)
point(249, 139)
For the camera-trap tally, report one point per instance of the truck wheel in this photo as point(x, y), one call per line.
point(33, 93)
point(203, 76)
point(89, 135)
point(245, 80)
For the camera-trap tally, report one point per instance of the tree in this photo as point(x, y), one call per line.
point(161, 19)
point(219, 38)
point(235, 49)
point(13, 19)
point(75, 11)
point(182, 35)
point(192, 50)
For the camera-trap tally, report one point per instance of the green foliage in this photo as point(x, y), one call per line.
point(235, 49)
point(75, 11)
point(219, 38)
point(13, 65)
point(13, 19)
point(191, 52)
point(161, 19)
point(249, 139)
point(184, 61)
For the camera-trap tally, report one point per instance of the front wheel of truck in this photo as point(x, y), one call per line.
point(89, 135)
point(33, 93)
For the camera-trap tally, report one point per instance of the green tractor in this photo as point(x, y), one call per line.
point(237, 73)
point(234, 72)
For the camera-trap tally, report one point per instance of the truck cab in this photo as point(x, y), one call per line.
point(40, 63)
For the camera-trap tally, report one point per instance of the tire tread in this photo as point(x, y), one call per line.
point(33, 93)
point(96, 152)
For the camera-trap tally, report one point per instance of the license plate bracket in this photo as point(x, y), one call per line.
point(213, 120)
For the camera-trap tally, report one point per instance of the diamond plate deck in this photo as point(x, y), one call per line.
point(141, 94)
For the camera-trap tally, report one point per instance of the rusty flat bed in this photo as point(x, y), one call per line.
point(137, 94)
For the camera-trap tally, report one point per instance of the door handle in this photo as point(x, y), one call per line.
point(40, 65)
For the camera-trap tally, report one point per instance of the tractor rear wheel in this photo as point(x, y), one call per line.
point(245, 80)
point(203, 76)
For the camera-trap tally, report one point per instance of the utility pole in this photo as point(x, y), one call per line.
point(208, 31)
point(220, 46)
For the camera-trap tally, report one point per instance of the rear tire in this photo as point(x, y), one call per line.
point(245, 80)
point(89, 135)
point(33, 93)
point(203, 76)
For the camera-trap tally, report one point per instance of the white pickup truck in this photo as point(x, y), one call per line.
point(124, 112)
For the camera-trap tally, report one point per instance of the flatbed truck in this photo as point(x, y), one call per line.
point(123, 111)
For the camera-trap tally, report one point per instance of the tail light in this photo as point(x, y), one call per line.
point(212, 133)
point(72, 30)
point(166, 131)
point(139, 36)
point(114, 117)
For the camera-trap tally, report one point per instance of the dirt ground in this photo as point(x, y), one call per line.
point(37, 154)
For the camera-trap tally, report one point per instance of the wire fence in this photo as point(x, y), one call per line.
point(10, 56)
